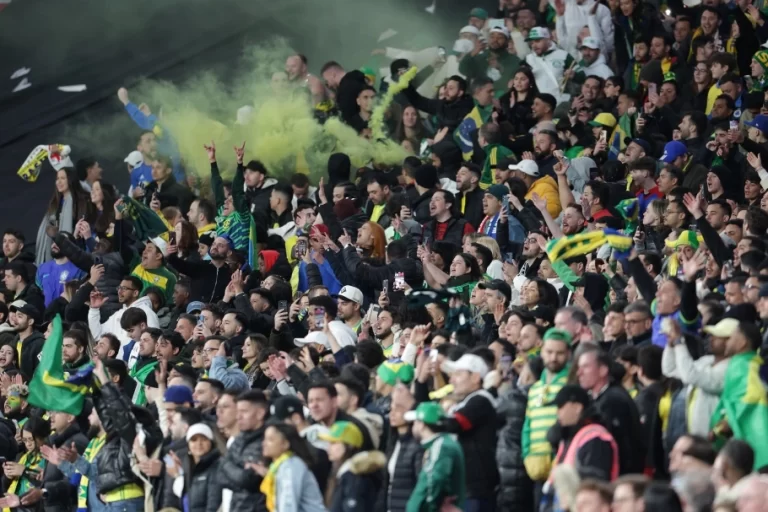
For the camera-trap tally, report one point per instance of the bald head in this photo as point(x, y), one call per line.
point(296, 67)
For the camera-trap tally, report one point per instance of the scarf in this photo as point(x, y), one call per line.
point(22, 484)
point(93, 448)
point(140, 375)
point(66, 223)
point(488, 225)
point(269, 484)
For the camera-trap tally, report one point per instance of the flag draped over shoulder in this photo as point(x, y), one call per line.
point(476, 118)
point(48, 389)
point(744, 405)
point(622, 130)
point(147, 223)
point(585, 243)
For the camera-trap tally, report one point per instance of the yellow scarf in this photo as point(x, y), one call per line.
point(269, 485)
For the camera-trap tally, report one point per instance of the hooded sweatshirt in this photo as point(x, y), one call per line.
point(112, 325)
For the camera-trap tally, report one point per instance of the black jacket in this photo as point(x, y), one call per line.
point(594, 459)
point(621, 417)
point(244, 483)
point(647, 401)
point(358, 483)
point(448, 113)
point(170, 193)
point(114, 459)
point(8, 446)
point(30, 350)
point(454, 233)
point(516, 490)
point(62, 496)
point(406, 474)
point(208, 281)
point(201, 482)
point(420, 206)
point(31, 294)
point(473, 206)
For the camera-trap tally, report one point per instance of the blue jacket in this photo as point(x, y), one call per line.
point(165, 144)
point(232, 377)
point(326, 272)
point(297, 489)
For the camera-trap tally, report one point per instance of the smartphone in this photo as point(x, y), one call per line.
point(200, 320)
point(425, 242)
point(169, 461)
point(385, 286)
point(301, 248)
point(651, 89)
point(282, 305)
point(734, 125)
point(399, 281)
point(604, 136)
point(506, 366)
point(319, 317)
point(441, 52)
point(433, 355)
point(172, 238)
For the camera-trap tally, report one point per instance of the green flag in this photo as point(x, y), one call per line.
point(146, 222)
point(48, 389)
point(744, 405)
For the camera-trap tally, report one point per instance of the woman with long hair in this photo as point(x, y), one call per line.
point(463, 274)
point(253, 346)
point(27, 472)
point(517, 102)
point(8, 360)
point(101, 218)
point(186, 240)
point(200, 466)
point(288, 483)
point(68, 204)
point(652, 231)
point(700, 85)
point(358, 473)
point(373, 242)
point(411, 127)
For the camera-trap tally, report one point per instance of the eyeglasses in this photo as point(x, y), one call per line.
point(210, 350)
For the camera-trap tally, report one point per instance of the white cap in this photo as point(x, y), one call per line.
point(691, 3)
point(590, 42)
point(161, 245)
point(344, 335)
point(134, 159)
point(199, 429)
point(463, 45)
point(501, 30)
point(350, 293)
point(528, 167)
point(723, 329)
point(470, 29)
point(467, 362)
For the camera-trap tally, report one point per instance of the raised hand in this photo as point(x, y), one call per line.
point(539, 202)
point(345, 239)
point(239, 153)
point(693, 204)
point(122, 95)
point(693, 266)
point(211, 150)
point(97, 271)
point(527, 155)
point(97, 299)
point(755, 160)
point(120, 205)
point(419, 334)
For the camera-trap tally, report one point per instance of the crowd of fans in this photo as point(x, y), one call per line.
point(557, 303)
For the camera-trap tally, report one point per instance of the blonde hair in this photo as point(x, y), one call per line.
point(490, 244)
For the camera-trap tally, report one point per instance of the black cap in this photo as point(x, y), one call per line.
point(504, 163)
point(287, 405)
point(27, 309)
point(571, 393)
point(745, 312)
point(267, 294)
point(499, 285)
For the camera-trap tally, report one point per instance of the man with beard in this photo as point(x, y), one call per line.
point(53, 275)
point(470, 195)
point(445, 225)
point(350, 302)
point(29, 342)
point(19, 283)
point(693, 129)
point(346, 86)
point(544, 144)
point(594, 200)
point(532, 256)
point(495, 62)
point(536, 448)
point(298, 75)
point(382, 329)
point(573, 220)
point(143, 370)
point(547, 61)
point(209, 278)
point(449, 111)
point(74, 353)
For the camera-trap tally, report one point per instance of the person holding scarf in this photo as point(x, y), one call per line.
point(27, 472)
point(493, 202)
point(288, 483)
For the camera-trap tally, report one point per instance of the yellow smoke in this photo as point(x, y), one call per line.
point(377, 116)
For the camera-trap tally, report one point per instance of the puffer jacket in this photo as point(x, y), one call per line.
point(201, 483)
point(114, 459)
point(30, 353)
point(516, 489)
point(358, 482)
point(407, 468)
point(546, 188)
point(114, 270)
point(62, 496)
point(244, 483)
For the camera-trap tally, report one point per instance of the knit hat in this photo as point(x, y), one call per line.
point(762, 58)
point(470, 29)
point(206, 239)
point(498, 191)
point(343, 432)
point(426, 176)
point(344, 209)
point(427, 412)
point(270, 257)
point(652, 72)
point(395, 370)
point(478, 12)
point(558, 335)
point(686, 238)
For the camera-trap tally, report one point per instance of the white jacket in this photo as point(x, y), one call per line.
point(579, 16)
point(112, 325)
point(548, 71)
point(597, 68)
point(421, 59)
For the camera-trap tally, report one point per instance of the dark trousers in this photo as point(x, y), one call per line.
point(480, 505)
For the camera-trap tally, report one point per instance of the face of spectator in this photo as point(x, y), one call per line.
point(543, 144)
point(484, 95)
point(164, 350)
point(205, 396)
point(720, 110)
point(614, 324)
point(709, 22)
point(147, 345)
point(682, 30)
point(555, 355)
point(438, 206)
point(70, 351)
point(210, 349)
point(226, 413)
point(453, 90)
point(103, 348)
point(658, 48)
point(185, 328)
point(147, 145)
point(295, 67)
point(591, 88)
point(160, 171)
point(322, 406)
point(540, 46)
point(731, 89)
point(127, 293)
point(365, 100)
point(229, 325)
point(378, 194)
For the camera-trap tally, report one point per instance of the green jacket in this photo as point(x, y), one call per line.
point(477, 66)
point(441, 477)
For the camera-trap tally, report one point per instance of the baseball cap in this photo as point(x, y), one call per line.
point(427, 412)
point(478, 12)
point(199, 429)
point(538, 33)
point(590, 42)
point(723, 329)
point(395, 370)
point(558, 335)
point(500, 30)
point(344, 335)
point(161, 245)
point(505, 163)
point(745, 312)
point(467, 362)
point(134, 159)
point(499, 285)
point(640, 142)
point(528, 167)
point(351, 294)
point(673, 150)
point(497, 191)
point(286, 406)
point(571, 393)
point(470, 29)
point(179, 395)
point(760, 122)
point(604, 119)
point(195, 306)
point(26, 309)
point(343, 432)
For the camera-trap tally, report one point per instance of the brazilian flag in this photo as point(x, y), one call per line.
point(584, 243)
point(472, 122)
point(146, 222)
